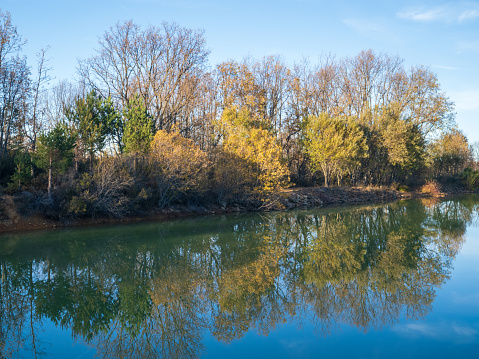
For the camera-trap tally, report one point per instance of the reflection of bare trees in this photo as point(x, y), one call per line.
point(153, 291)
point(19, 325)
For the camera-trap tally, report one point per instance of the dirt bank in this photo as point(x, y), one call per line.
point(14, 219)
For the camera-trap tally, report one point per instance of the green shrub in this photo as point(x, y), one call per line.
point(77, 206)
point(470, 178)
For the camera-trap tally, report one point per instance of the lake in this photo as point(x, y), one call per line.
point(396, 280)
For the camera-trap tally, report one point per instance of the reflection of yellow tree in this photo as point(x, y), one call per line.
point(447, 225)
point(244, 295)
point(331, 257)
point(248, 281)
point(402, 280)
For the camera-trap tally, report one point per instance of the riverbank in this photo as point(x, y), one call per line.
point(13, 217)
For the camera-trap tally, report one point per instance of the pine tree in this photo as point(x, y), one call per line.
point(138, 127)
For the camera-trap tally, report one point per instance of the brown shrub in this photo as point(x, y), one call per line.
point(432, 188)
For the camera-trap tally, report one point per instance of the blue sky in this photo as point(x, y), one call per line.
point(443, 35)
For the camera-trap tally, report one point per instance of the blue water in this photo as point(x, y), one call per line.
point(388, 281)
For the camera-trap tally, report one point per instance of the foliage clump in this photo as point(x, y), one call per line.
point(334, 145)
point(450, 153)
point(178, 167)
point(249, 162)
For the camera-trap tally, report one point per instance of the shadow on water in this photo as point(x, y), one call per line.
point(155, 290)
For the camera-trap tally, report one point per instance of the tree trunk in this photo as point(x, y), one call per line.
point(326, 171)
point(50, 178)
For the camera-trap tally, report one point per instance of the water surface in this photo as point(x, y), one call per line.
point(396, 281)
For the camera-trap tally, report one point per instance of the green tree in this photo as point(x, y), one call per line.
point(55, 151)
point(95, 119)
point(23, 169)
point(450, 153)
point(401, 146)
point(333, 144)
point(115, 125)
point(138, 127)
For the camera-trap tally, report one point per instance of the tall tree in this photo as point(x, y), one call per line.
point(95, 119)
point(333, 144)
point(55, 151)
point(14, 82)
point(164, 65)
point(38, 100)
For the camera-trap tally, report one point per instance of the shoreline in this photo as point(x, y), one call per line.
point(288, 199)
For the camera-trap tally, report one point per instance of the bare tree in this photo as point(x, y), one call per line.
point(14, 82)
point(60, 98)
point(164, 65)
point(110, 72)
point(37, 115)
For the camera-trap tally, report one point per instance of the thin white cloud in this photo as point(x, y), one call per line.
point(464, 331)
point(371, 29)
point(418, 328)
point(445, 331)
point(468, 15)
point(451, 12)
point(422, 15)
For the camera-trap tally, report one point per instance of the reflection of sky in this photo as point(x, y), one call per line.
point(471, 247)
point(63, 346)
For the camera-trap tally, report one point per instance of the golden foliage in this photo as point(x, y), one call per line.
point(431, 188)
point(333, 144)
point(180, 166)
point(332, 257)
point(250, 158)
point(245, 285)
point(450, 153)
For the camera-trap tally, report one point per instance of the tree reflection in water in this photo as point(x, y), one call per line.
point(154, 290)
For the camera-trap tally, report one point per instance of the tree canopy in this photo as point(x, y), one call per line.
point(149, 103)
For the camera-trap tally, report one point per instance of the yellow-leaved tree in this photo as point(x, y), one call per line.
point(450, 153)
point(333, 144)
point(249, 162)
point(180, 167)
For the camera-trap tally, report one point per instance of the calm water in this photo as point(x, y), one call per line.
point(389, 281)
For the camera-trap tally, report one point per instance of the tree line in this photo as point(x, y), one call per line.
point(149, 121)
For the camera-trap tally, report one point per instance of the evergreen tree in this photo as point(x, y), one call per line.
point(23, 169)
point(95, 119)
point(138, 127)
point(55, 151)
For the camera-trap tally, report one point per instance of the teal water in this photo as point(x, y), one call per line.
point(386, 281)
